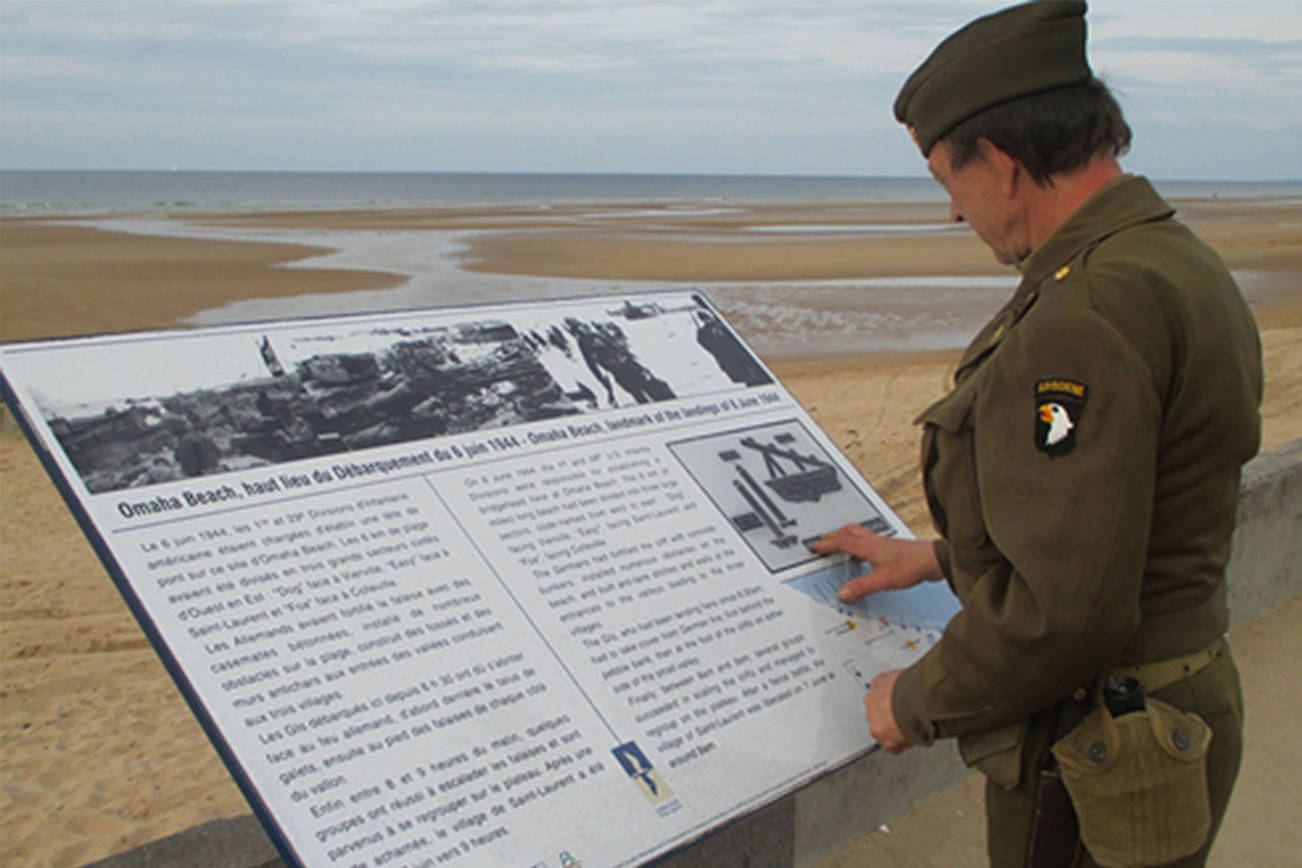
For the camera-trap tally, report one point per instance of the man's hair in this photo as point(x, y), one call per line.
point(1048, 132)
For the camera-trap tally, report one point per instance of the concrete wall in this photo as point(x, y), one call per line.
point(803, 829)
point(1266, 565)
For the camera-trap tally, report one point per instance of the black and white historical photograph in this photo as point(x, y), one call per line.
point(777, 487)
point(139, 410)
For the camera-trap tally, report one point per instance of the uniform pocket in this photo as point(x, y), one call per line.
point(1138, 783)
point(997, 753)
point(949, 468)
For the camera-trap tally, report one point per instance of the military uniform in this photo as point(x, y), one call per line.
point(1084, 474)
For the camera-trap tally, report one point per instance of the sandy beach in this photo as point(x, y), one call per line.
point(101, 754)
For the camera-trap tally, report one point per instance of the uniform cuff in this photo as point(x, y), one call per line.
point(907, 705)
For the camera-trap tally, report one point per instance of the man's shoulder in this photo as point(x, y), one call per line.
point(1150, 242)
point(1163, 260)
point(1136, 279)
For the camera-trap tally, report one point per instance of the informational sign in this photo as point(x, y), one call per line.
point(520, 585)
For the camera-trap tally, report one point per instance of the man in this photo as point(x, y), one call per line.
point(1083, 473)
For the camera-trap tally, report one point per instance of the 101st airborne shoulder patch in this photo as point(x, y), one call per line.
point(1059, 405)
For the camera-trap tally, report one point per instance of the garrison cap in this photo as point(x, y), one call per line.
point(1017, 51)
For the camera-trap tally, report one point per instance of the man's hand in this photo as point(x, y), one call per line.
point(881, 720)
point(894, 563)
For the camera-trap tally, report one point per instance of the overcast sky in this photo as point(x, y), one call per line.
point(1212, 89)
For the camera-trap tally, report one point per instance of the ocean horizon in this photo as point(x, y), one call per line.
point(35, 193)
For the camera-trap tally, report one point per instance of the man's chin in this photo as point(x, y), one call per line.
point(1006, 257)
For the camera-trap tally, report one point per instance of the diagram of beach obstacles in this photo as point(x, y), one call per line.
point(520, 584)
point(779, 487)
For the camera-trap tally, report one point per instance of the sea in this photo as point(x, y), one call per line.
point(35, 193)
point(778, 318)
point(31, 193)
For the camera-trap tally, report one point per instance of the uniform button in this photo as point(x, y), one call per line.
point(1098, 752)
point(1080, 694)
point(1180, 739)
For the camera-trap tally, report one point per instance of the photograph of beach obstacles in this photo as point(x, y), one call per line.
point(169, 406)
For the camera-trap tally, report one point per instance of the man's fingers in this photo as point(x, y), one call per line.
point(852, 539)
point(862, 586)
point(881, 720)
point(891, 563)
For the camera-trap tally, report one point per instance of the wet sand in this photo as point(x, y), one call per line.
point(100, 752)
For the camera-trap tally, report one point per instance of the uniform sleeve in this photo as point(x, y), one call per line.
point(1066, 527)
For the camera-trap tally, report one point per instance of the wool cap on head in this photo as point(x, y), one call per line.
point(1018, 51)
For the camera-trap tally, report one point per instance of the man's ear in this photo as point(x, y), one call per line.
point(1006, 167)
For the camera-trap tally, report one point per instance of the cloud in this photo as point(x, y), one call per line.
point(809, 78)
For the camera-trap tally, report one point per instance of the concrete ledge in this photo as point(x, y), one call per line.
point(1266, 565)
point(239, 842)
point(807, 827)
point(865, 794)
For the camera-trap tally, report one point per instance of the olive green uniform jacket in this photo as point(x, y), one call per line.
point(1084, 471)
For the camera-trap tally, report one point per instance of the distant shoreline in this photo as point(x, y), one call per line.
point(797, 279)
point(75, 192)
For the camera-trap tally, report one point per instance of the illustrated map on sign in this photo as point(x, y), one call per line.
point(928, 607)
point(888, 628)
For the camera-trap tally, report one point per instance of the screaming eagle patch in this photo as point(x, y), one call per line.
point(1059, 405)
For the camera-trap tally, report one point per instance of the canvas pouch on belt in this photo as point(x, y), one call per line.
point(1139, 783)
